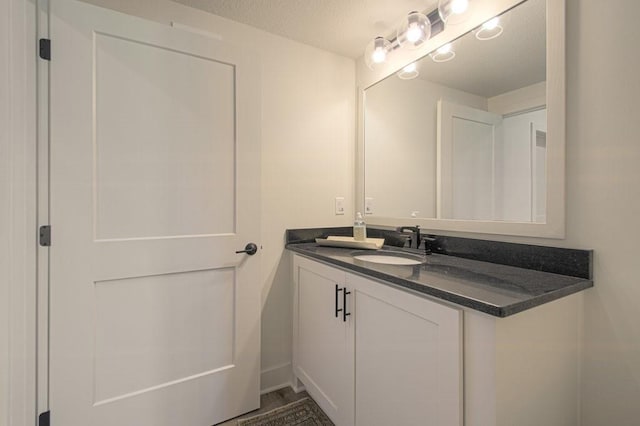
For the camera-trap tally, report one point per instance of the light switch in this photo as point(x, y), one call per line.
point(339, 206)
point(368, 205)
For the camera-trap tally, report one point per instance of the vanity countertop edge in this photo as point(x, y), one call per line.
point(497, 289)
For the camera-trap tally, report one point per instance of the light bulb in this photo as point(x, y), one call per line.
point(443, 53)
point(489, 30)
point(444, 49)
point(491, 24)
point(376, 52)
point(409, 72)
point(410, 68)
point(379, 55)
point(453, 12)
point(414, 31)
point(459, 6)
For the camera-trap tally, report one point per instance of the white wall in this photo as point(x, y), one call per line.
point(603, 200)
point(308, 129)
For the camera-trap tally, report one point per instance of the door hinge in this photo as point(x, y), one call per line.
point(45, 235)
point(45, 49)
point(44, 419)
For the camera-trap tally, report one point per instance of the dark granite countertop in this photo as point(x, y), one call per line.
point(496, 289)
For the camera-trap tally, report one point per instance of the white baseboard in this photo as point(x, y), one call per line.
point(276, 377)
point(276, 387)
point(297, 385)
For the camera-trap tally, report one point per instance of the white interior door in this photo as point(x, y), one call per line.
point(154, 319)
point(467, 141)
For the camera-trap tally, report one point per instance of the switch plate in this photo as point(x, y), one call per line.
point(368, 205)
point(339, 206)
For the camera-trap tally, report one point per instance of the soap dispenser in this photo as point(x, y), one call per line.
point(359, 228)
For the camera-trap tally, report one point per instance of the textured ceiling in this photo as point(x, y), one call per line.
point(341, 26)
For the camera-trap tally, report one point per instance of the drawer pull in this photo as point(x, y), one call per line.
point(345, 314)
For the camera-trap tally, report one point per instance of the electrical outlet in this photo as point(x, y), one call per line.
point(368, 205)
point(339, 206)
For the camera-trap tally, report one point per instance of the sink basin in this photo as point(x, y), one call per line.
point(391, 258)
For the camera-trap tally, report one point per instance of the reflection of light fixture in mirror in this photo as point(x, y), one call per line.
point(443, 54)
point(414, 31)
point(409, 72)
point(376, 52)
point(453, 11)
point(489, 30)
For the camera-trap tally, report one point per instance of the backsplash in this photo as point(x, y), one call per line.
point(572, 262)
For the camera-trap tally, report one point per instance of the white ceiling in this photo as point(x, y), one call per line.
point(341, 26)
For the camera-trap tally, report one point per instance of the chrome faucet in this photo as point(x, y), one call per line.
point(413, 239)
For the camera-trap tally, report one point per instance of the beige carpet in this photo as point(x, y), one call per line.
point(304, 412)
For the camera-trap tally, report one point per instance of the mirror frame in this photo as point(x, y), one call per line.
point(554, 227)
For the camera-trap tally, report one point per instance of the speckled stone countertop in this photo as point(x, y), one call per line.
point(496, 289)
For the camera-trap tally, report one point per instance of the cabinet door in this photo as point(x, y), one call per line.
point(408, 359)
point(323, 341)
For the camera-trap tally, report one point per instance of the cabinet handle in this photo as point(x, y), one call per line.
point(345, 314)
point(338, 290)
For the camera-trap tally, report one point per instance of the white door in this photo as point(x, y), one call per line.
point(154, 319)
point(467, 142)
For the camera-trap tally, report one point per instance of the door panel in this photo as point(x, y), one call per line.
point(153, 180)
point(145, 346)
point(155, 151)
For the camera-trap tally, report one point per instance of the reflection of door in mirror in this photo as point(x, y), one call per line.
point(468, 139)
point(538, 174)
point(491, 166)
point(523, 166)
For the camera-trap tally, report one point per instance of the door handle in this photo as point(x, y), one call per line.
point(338, 290)
point(250, 249)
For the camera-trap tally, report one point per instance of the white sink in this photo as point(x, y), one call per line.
point(390, 258)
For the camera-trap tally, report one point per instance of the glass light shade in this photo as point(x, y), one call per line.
point(376, 52)
point(489, 30)
point(414, 31)
point(409, 72)
point(453, 12)
point(443, 53)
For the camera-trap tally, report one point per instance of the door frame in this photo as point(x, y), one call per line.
point(20, 139)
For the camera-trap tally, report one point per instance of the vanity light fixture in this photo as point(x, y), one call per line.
point(453, 12)
point(489, 30)
point(443, 53)
point(376, 52)
point(409, 72)
point(414, 31)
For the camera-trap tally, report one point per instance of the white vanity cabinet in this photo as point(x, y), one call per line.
point(391, 358)
point(323, 353)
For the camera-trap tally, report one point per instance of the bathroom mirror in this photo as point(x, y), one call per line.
point(472, 139)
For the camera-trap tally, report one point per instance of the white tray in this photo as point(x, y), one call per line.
point(350, 242)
